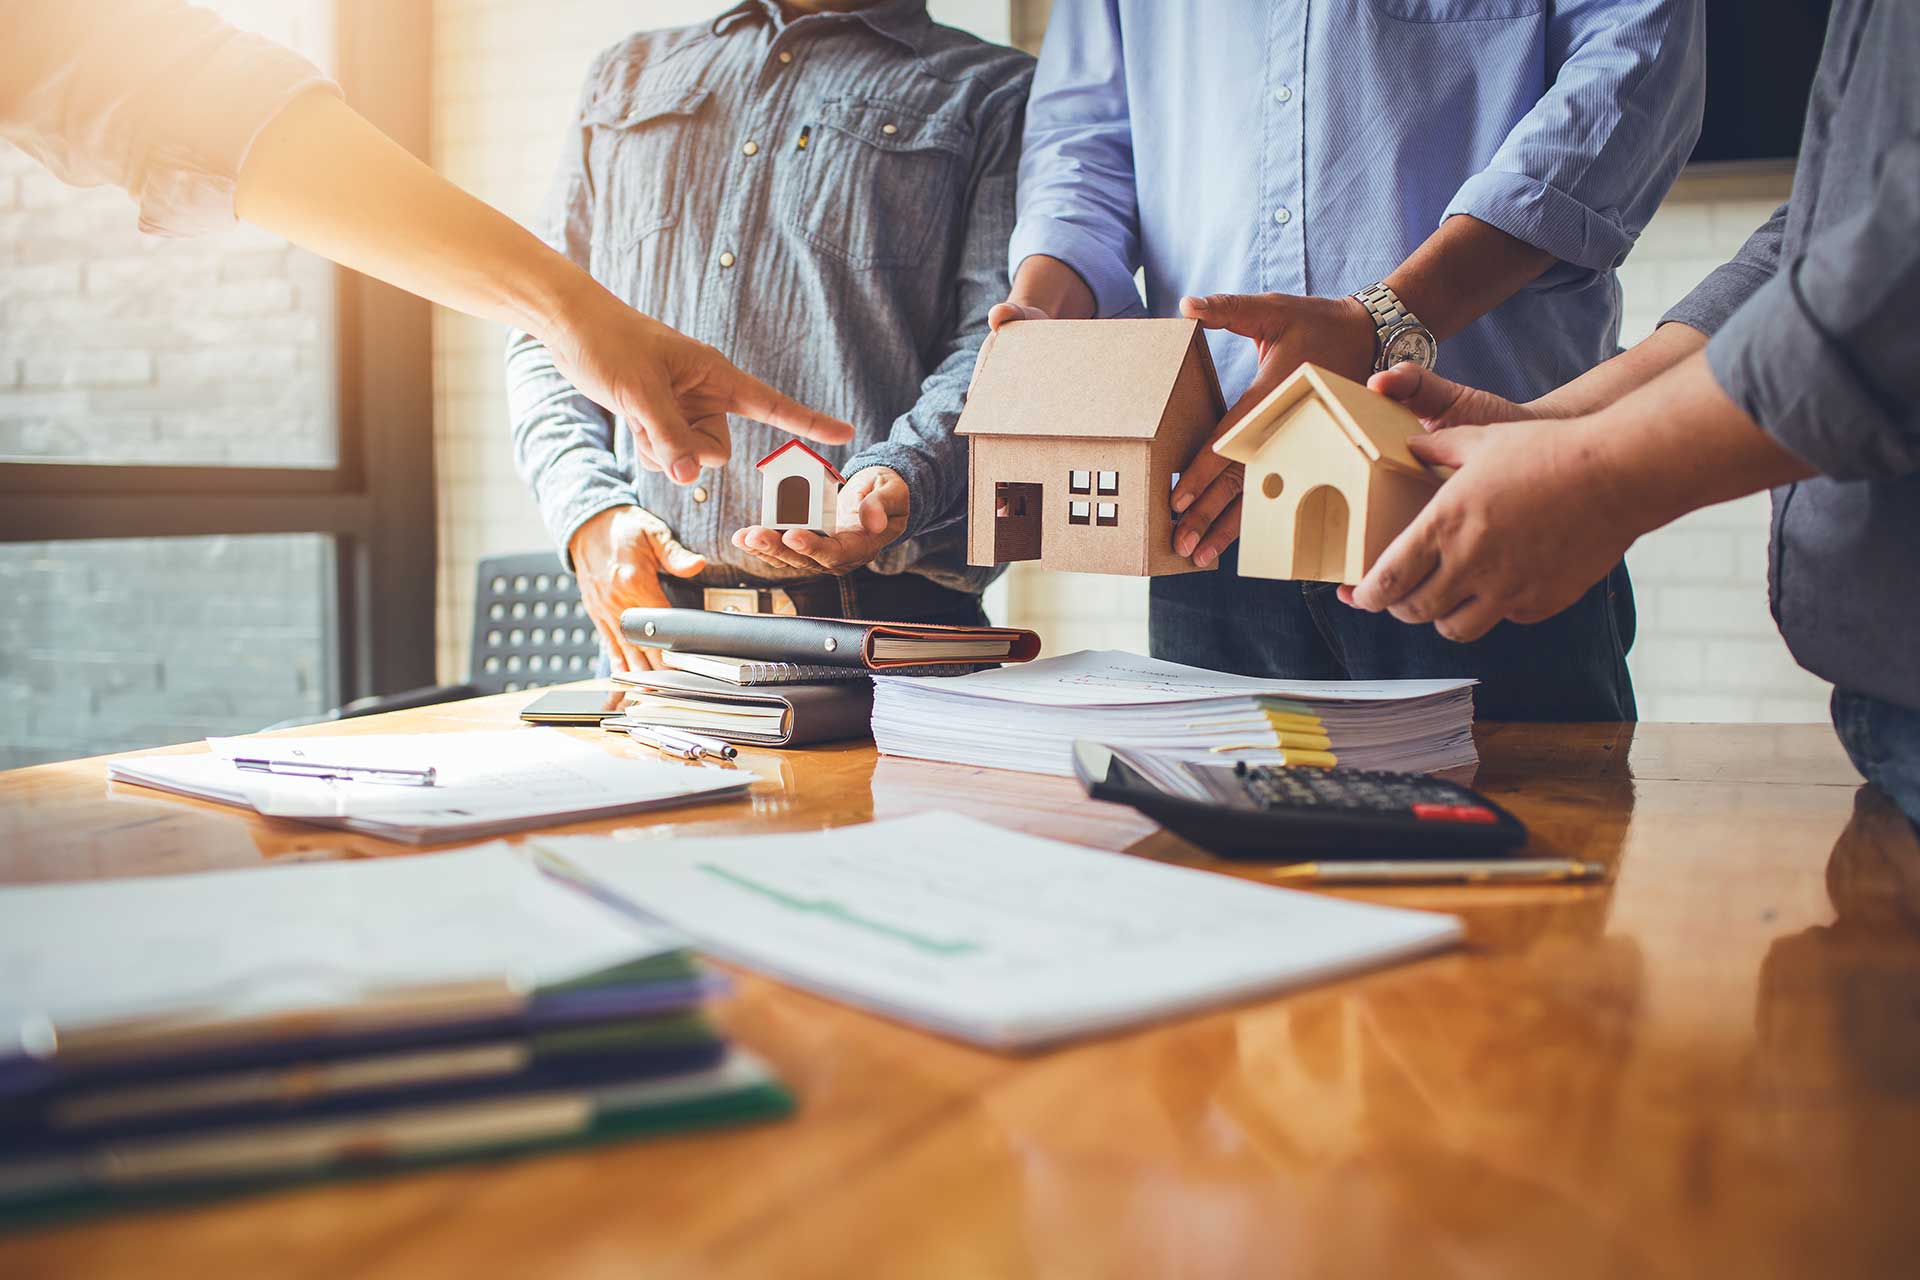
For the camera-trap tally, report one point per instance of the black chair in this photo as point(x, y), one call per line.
point(530, 630)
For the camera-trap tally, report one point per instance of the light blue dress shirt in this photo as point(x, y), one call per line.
point(1308, 146)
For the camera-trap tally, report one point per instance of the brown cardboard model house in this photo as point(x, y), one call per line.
point(1076, 432)
point(1329, 479)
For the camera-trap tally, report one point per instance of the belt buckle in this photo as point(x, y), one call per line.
point(748, 600)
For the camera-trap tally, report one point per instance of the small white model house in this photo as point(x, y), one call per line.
point(799, 489)
point(1330, 481)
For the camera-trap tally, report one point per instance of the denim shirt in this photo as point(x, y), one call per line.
point(827, 200)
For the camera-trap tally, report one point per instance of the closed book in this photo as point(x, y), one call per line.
point(902, 648)
point(788, 715)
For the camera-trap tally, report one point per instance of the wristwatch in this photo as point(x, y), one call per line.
point(1398, 337)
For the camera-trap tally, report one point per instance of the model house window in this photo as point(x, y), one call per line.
point(1110, 482)
point(1108, 513)
point(1079, 482)
point(1079, 513)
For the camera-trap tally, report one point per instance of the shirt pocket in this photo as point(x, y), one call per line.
point(641, 146)
point(877, 178)
point(1457, 10)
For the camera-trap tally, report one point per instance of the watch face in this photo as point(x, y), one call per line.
point(1409, 344)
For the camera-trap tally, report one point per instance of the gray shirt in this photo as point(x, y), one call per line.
point(825, 199)
point(1815, 330)
point(156, 96)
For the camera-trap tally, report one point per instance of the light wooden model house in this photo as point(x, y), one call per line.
point(799, 489)
point(1077, 430)
point(1329, 479)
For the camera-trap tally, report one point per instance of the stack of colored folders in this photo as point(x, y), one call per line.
point(188, 1036)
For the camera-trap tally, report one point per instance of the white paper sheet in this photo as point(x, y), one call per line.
point(990, 935)
point(257, 940)
point(1110, 677)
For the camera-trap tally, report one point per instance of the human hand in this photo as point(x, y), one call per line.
point(673, 392)
point(1440, 403)
point(1044, 288)
point(1526, 524)
point(618, 557)
point(872, 513)
point(1288, 331)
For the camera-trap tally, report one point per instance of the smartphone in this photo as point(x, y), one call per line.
point(575, 706)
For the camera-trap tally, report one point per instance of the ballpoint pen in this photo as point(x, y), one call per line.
point(712, 746)
point(393, 777)
point(1506, 871)
point(664, 742)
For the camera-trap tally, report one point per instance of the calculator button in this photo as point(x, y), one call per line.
point(1453, 813)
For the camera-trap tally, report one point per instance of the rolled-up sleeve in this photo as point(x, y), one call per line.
point(922, 446)
point(1821, 355)
point(1714, 300)
point(1076, 173)
point(1583, 171)
point(156, 96)
point(563, 443)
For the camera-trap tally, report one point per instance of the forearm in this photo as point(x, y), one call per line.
point(1053, 287)
point(1463, 270)
point(1677, 444)
point(1608, 383)
point(324, 178)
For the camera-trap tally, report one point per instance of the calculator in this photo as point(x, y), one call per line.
point(1299, 813)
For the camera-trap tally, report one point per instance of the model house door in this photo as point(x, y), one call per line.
point(1016, 522)
point(793, 501)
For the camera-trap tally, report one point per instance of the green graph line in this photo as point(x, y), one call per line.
point(836, 911)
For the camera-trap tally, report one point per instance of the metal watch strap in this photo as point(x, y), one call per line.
point(1388, 313)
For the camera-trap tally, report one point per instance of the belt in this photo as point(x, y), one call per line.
point(902, 597)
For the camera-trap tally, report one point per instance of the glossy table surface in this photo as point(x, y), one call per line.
point(1708, 1067)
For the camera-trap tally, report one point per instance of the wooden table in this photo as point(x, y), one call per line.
point(1710, 1067)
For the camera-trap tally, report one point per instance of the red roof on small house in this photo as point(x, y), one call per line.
point(801, 446)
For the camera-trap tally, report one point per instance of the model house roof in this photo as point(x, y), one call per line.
point(801, 446)
point(1088, 379)
point(1375, 425)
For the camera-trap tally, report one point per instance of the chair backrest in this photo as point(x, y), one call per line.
point(529, 627)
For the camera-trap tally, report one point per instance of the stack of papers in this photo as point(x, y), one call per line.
point(998, 938)
point(1028, 717)
point(486, 783)
point(172, 1037)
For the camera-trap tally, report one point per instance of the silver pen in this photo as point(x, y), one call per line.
point(1436, 871)
point(712, 746)
point(662, 741)
point(392, 777)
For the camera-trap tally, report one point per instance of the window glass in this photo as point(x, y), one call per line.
point(1079, 513)
point(115, 644)
point(1080, 482)
point(1108, 513)
point(118, 347)
point(1109, 482)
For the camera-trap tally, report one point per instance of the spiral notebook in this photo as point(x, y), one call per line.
point(752, 671)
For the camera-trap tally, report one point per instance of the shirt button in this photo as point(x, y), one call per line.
point(727, 259)
point(751, 149)
point(700, 494)
point(889, 129)
point(1283, 94)
point(1283, 215)
point(786, 57)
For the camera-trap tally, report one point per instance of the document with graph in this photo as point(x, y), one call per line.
point(985, 934)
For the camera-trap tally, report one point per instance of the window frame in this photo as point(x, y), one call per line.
point(377, 500)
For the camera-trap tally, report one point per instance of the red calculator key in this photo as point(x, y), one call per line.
point(1453, 813)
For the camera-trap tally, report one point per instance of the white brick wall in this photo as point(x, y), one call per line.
point(506, 74)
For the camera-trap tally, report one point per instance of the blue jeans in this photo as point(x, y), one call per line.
point(1573, 666)
point(1883, 741)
